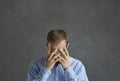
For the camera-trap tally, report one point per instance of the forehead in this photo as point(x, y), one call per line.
point(61, 44)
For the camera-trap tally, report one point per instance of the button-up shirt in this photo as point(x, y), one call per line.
point(38, 72)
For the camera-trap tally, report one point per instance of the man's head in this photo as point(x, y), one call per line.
point(57, 38)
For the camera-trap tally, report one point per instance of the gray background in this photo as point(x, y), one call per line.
point(93, 27)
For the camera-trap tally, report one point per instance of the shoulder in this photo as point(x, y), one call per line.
point(75, 62)
point(38, 62)
point(77, 66)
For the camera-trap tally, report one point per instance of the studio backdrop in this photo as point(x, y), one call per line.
point(93, 27)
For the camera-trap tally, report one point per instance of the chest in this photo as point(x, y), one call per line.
point(57, 74)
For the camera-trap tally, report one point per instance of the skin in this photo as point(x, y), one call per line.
point(57, 53)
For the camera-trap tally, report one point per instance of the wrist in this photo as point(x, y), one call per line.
point(66, 67)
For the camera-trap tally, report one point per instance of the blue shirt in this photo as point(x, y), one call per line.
point(38, 72)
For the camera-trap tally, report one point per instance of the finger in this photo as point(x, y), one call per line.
point(62, 52)
point(52, 54)
point(55, 58)
point(58, 59)
point(66, 51)
point(62, 59)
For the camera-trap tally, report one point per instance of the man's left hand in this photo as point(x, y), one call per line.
point(65, 58)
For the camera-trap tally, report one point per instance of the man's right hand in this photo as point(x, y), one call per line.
point(51, 58)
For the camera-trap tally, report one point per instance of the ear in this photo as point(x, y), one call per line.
point(48, 45)
point(67, 45)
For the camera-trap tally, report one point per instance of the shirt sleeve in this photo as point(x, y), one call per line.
point(34, 75)
point(79, 74)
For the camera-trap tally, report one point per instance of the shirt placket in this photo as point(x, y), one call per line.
point(56, 78)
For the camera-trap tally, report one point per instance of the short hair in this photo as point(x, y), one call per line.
point(57, 35)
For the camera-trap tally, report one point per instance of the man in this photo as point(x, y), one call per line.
point(57, 65)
